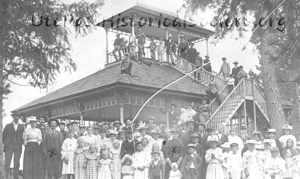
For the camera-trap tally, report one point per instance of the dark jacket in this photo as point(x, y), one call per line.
point(168, 45)
point(10, 136)
point(187, 162)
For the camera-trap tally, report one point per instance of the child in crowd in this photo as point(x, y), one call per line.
point(191, 163)
point(117, 164)
point(79, 159)
point(235, 163)
point(141, 161)
point(105, 166)
point(295, 165)
point(275, 167)
point(91, 162)
point(157, 167)
point(68, 148)
point(127, 168)
point(175, 173)
point(155, 148)
point(213, 157)
point(252, 163)
point(160, 51)
point(226, 154)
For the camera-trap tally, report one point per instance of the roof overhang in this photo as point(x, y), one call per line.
point(154, 23)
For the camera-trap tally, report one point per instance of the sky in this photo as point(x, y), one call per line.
point(89, 53)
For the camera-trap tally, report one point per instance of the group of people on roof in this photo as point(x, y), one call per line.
point(188, 150)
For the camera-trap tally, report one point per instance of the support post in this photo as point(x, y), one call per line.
point(254, 107)
point(168, 122)
point(106, 46)
point(207, 46)
point(81, 118)
point(245, 112)
point(121, 112)
point(132, 28)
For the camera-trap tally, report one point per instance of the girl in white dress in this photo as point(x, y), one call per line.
point(105, 166)
point(68, 148)
point(213, 157)
point(175, 173)
point(252, 163)
point(235, 163)
point(115, 153)
point(79, 159)
point(141, 162)
point(275, 167)
point(225, 155)
point(295, 165)
point(127, 168)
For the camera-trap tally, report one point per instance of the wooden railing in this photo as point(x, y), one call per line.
point(225, 110)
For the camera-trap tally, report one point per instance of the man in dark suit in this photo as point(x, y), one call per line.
point(173, 113)
point(235, 72)
point(168, 47)
point(222, 137)
point(202, 134)
point(12, 139)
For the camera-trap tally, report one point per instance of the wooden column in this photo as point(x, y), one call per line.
point(254, 107)
point(207, 46)
point(168, 122)
point(81, 118)
point(132, 28)
point(106, 46)
point(121, 112)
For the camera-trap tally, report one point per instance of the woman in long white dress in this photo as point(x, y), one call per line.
point(252, 163)
point(275, 167)
point(68, 149)
point(213, 157)
point(141, 162)
point(116, 160)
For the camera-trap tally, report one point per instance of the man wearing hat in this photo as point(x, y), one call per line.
point(151, 126)
point(195, 141)
point(52, 149)
point(207, 65)
point(62, 126)
point(272, 137)
point(141, 39)
point(191, 53)
point(198, 63)
point(225, 68)
point(168, 47)
point(183, 47)
point(242, 74)
point(173, 112)
point(173, 151)
point(117, 44)
point(128, 125)
point(235, 72)
point(127, 146)
point(42, 125)
point(186, 137)
point(152, 47)
point(286, 135)
point(12, 138)
point(117, 125)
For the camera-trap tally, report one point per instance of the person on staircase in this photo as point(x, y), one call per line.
point(168, 48)
point(192, 53)
point(213, 92)
point(198, 63)
point(225, 68)
point(235, 72)
point(207, 65)
point(242, 74)
point(117, 44)
point(183, 47)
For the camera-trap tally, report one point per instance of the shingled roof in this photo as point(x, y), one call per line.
point(155, 76)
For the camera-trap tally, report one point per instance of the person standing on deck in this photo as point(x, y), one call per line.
point(12, 138)
point(207, 65)
point(52, 150)
point(192, 53)
point(117, 44)
point(168, 48)
point(152, 47)
point(183, 47)
point(141, 38)
point(225, 68)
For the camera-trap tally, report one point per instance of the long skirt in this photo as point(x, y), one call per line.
point(254, 172)
point(33, 162)
point(91, 169)
point(288, 172)
point(79, 170)
point(116, 169)
point(214, 171)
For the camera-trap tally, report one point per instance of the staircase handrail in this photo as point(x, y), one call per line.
point(223, 103)
point(210, 73)
point(214, 100)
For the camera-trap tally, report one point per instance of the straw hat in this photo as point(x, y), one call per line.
point(191, 146)
point(213, 138)
point(32, 119)
point(234, 145)
point(251, 142)
point(226, 145)
point(235, 62)
point(287, 127)
point(272, 131)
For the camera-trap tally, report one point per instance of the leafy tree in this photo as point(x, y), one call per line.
point(35, 42)
point(275, 33)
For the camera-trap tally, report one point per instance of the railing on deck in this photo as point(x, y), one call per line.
point(229, 104)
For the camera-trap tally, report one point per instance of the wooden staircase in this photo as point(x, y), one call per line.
point(231, 101)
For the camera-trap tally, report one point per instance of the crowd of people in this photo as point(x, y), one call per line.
point(189, 150)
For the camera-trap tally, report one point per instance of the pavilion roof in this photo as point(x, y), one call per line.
point(154, 77)
point(191, 31)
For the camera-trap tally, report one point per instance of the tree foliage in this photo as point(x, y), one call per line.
point(275, 30)
point(35, 41)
